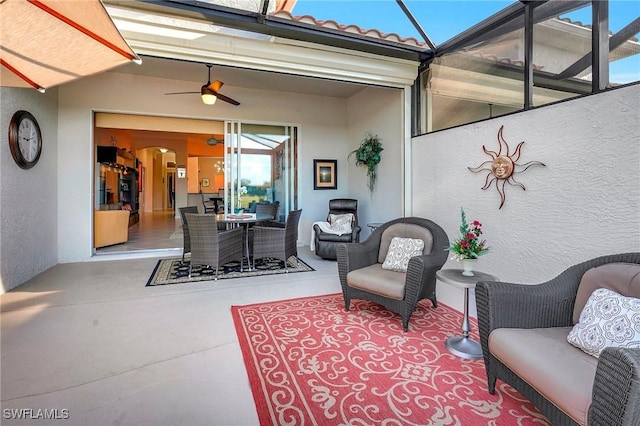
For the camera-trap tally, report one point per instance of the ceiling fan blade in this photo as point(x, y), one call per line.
point(216, 85)
point(227, 99)
point(180, 93)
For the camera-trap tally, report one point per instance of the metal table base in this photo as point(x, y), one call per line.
point(463, 346)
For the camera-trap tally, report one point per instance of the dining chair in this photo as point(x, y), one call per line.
point(270, 210)
point(186, 238)
point(275, 242)
point(212, 247)
point(209, 206)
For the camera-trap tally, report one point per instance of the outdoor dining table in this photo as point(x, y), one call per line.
point(245, 219)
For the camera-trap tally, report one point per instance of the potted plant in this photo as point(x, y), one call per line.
point(469, 247)
point(368, 154)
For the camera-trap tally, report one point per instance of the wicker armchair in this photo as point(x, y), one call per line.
point(501, 305)
point(403, 290)
point(210, 246)
point(277, 242)
point(326, 243)
point(186, 238)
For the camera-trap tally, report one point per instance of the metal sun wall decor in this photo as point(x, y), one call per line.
point(503, 166)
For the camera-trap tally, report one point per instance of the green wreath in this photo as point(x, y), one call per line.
point(368, 154)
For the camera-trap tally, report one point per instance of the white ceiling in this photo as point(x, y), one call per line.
point(239, 77)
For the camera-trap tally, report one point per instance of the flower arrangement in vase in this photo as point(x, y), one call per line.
point(368, 154)
point(469, 246)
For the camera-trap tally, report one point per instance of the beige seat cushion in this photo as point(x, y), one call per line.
point(379, 281)
point(542, 357)
point(404, 230)
point(623, 278)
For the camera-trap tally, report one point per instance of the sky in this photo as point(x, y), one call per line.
point(441, 20)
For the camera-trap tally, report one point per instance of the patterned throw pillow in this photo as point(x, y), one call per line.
point(608, 319)
point(341, 223)
point(400, 251)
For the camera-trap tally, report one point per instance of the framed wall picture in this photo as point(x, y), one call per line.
point(325, 174)
point(205, 182)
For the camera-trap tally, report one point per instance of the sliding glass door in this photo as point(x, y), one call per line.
point(260, 166)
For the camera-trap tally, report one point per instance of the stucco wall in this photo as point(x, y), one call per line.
point(379, 112)
point(324, 133)
point(29, 208)
point(584, 203)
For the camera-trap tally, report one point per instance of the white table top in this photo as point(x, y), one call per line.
point(455, 277)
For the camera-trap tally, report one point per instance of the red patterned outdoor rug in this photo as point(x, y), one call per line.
point(311, 363)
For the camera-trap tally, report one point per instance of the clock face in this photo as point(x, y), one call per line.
point(25, 139)
point(28, 139)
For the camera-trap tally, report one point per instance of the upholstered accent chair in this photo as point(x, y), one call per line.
point(362, 276)
point(325, 243)
point(212, 247)
point(524, 331)
point(186, 238)
point(279, 241)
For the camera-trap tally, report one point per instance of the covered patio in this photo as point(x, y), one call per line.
point(117, 352)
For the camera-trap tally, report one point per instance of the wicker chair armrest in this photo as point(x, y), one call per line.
point(356, 255)
point(616, 388)
point(355, 234)
point(270, 231)
point(510, 305)
point(271, 223)
point(224, 237)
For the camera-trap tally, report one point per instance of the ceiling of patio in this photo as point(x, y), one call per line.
point(239, 77)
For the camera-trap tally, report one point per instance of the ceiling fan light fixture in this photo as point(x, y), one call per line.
point(209, 99)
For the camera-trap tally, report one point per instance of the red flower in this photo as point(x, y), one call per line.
point(470, 236)
point(464, 244)
point(476, 224)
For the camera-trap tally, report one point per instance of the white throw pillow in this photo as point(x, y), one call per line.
point(400, 251)
point(341, 223)
point(608, 319)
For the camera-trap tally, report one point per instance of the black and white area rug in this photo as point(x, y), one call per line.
point(173, 271)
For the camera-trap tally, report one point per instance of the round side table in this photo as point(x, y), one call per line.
point(374, 225)
point(463, 346)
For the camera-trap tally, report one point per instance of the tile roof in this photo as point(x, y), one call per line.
point(588, 26)
point(354, 29)
point(498, 59)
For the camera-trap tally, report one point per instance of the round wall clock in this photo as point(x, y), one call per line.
point(25, 139)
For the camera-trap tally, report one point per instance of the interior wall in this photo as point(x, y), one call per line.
point(29, 198)
point(379, 112)
point(583, 204)
point(322, 121)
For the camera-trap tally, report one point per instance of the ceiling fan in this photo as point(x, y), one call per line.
point(213, 141)
point(209, 92)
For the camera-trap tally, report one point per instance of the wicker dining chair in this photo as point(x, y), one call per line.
point(212, 247)
point(186, 238)
point(275, 242)
point(270, 210)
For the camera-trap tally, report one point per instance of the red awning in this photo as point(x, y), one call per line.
point(45, 43)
